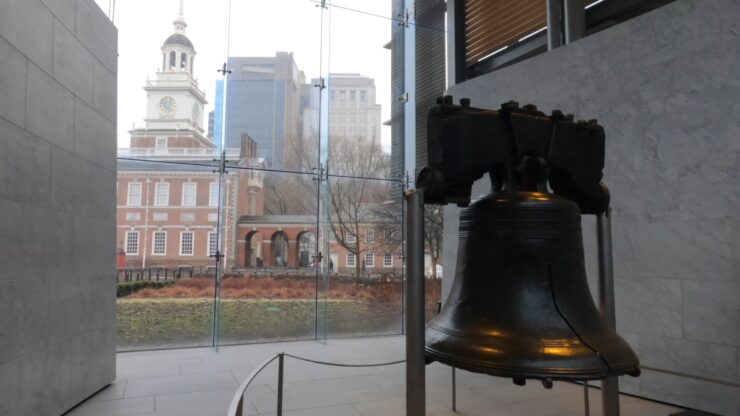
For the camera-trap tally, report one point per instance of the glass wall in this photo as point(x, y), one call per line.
point(259, 198)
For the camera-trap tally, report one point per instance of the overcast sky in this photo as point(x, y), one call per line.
point(258, 28)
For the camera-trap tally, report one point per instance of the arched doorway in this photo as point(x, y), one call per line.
point(280, 249)
point(253, 256)
point(306, 249)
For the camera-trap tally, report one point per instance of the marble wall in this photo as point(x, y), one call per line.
point(666, 87)
point(58, 64)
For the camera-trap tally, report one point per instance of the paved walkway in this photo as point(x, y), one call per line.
point(201, 382)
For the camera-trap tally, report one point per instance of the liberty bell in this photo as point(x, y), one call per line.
point(520, 306)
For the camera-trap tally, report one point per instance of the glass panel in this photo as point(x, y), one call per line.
point(268, 92)
point(168, 218)
point(365, 228)
point(360, 94)
point(166, 276)
point(269, 288)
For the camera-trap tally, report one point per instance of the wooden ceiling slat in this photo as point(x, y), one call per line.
point(493, 24)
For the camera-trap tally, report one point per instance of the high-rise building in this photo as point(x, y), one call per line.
point(263, 96)
point(353, 110)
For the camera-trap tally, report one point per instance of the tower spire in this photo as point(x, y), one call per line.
point(179, 22)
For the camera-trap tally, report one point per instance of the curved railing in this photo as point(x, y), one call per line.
point(237, 403)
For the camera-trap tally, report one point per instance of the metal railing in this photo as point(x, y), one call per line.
point(237, 403)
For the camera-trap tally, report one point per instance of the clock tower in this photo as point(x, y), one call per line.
point(175, 103)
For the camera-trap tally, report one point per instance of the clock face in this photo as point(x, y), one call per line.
point(167, 106)
point(196, 113)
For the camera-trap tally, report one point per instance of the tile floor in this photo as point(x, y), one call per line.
point(201, 382)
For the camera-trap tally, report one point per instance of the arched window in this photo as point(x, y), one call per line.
point(183, 60)
point(173, 58)
point(280, 249)
point(306, 248)
point(254, 249)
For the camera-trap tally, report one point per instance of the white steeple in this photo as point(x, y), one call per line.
point(179, 22)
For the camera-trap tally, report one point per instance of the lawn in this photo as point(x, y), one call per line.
point(257, 310)
point(169, 322)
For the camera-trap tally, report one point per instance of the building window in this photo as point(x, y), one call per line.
point(213, 195)
point(160, 216)
point(162, 194)
point(363, 96)
point(132, 243)
point(172, 59)
point(341, 95)
point(161, 142)
point(388, 260)
point(213, 216)
point(134, 194)
point(212, 243)
point(388, 236)
point(133, 216)
point(369, 260)
point(351, 238)
point(352, 96)
point(369, 236)
point(350, 259)
point(189, 191)
point(159, 247)
point(186, 243)
point(187, 216)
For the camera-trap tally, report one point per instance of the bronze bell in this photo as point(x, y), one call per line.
point(520, 305)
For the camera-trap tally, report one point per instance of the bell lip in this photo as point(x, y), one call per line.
point(483, 367)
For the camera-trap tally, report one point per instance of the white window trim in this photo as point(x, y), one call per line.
point(370, 236)
point(351, 238)
point(125, 243)
point(154, 243)
point(210, 249)
point(166, 187)
point(351, 255)
point(128, 196)
point(192, 243)
point(213, 194)
point(391, 257)
point(185, 186)
point(370, 256)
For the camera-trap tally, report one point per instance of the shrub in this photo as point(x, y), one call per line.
point(125, 289)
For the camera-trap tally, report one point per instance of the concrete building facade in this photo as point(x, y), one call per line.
point(58, 75)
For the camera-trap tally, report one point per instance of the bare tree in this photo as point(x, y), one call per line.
point(433, 222)
point(355, 190)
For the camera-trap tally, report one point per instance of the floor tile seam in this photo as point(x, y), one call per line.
point(359, 376)
point(180, 375)
point(179, 392)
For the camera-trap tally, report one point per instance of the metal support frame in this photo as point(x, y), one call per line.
point(554, 24)
point(586, 403)
point(281, 371)
point(415, 371)
point(610, 386)
point(454, 391)
point(574, 19)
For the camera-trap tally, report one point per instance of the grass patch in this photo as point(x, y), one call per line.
point(162, 323)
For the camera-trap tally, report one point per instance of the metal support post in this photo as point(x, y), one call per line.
point(415, 371)
point(586, 403)
point(574, 12)
point(554, 24)
point(281, 360)
point(610, 386)
point(454, 391)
